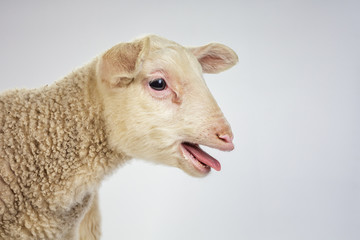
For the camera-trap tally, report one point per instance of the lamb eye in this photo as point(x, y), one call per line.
point(158, 84)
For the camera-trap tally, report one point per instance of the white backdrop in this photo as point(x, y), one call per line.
point(293, 102)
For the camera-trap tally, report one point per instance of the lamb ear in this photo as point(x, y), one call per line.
point(120, 64)
point(215, 57)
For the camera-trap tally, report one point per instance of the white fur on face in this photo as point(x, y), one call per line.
point(149, 124)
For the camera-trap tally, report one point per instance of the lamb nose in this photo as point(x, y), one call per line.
point(226, 138)
point(228, 141)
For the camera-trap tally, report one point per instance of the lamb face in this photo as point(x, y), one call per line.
point(156, 103)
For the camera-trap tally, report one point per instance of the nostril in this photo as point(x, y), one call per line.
point(226, 138)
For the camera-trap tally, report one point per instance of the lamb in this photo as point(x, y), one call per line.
point(142, 99)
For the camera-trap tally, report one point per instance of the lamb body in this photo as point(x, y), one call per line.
point(58, 142)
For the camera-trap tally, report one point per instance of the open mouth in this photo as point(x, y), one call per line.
point(200, 159)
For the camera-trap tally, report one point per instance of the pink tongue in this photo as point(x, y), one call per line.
point(203, 157)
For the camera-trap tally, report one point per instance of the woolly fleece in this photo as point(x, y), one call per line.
point(58, 142)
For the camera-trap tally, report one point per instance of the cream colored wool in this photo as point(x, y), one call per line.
point(58, 142)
